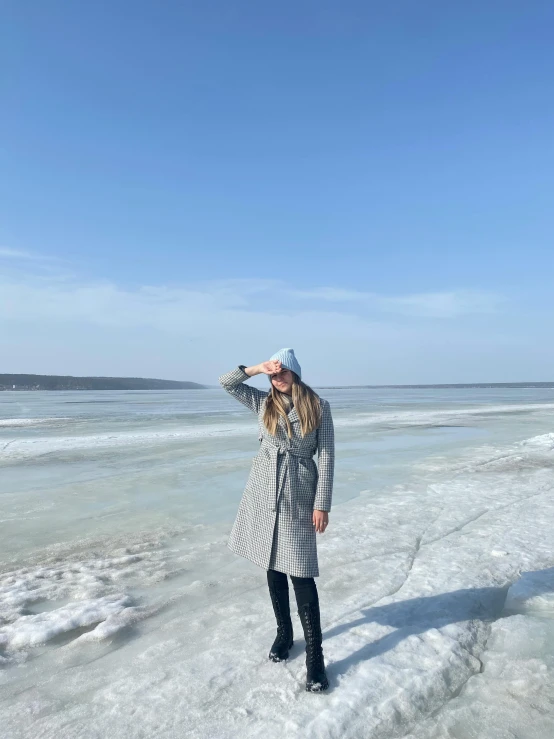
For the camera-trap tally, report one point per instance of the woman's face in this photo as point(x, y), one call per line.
point(283, 381)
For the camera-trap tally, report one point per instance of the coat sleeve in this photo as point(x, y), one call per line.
point(325, 460)
point(233, 381)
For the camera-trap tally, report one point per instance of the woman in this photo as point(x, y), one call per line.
point(287, 498)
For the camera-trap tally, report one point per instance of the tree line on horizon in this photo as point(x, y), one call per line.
point(68, 382)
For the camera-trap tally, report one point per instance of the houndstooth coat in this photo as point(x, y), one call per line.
point(274, 527)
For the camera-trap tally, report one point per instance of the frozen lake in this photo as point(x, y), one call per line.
point(123, 613)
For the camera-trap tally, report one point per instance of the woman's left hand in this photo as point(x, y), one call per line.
point(320, 520)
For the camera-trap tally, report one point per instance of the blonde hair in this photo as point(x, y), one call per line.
point(306, 403)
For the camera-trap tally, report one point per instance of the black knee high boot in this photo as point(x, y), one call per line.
point(308, 610)
point(279, 592)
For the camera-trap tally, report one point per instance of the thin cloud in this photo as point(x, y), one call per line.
point(6, 253)
point(333, 295)
point(61, 324)
point(65, 298)
point(28, 259)
point(445, 304)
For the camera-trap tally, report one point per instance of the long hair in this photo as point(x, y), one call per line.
point(306, 402)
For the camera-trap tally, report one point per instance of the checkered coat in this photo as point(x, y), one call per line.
point(274, 527)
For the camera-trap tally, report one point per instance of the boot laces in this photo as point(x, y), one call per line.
point(282, 625)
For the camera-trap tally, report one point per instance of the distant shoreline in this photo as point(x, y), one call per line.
point(67, 382)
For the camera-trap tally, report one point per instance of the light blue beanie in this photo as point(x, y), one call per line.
point(288, 360)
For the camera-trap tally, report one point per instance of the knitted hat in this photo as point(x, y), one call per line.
point(288, 360)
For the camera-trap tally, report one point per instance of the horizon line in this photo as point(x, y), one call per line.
point(518, 383)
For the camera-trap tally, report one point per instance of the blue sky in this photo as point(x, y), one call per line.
point(186, 186)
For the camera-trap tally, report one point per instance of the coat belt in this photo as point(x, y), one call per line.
point(288, 455)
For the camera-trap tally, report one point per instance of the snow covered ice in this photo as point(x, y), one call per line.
point(123, 613)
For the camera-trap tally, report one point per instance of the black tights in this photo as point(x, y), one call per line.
point(304, 587)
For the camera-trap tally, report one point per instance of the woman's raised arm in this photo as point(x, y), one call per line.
point(250, 396)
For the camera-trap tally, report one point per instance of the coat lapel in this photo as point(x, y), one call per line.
point(293, 415)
